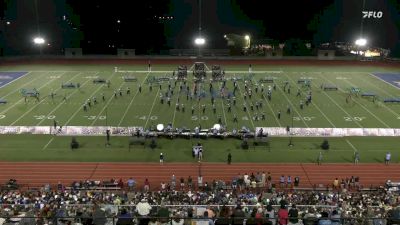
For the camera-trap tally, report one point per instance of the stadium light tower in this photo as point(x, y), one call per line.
point(39, 40)
point(247, 38)
point(199, 41)
point(361, 42)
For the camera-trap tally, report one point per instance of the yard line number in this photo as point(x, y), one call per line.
point(145, 117)
point(201, 117)
point(94, 117)
point(356, 118)
point(2, 116)
point(42, 117)
point(305, 118)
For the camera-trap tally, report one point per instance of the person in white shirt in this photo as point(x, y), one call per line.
point(200, 181)
point(143, 207)
point(387, 158)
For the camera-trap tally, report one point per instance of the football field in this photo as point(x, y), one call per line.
point(328, 108)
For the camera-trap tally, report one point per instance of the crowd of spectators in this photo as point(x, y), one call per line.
point(178, 205)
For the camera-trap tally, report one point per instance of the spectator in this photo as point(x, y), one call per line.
point(336, 184)
point(146, 185)
point(238, 216)
point(283, 215)
point(163, 214)
point(200, 181)
point(289, 181)
point(270, 212)
point(282, 181)
point(296, 181)
point(223, 218)
point(131, 184)
point(177, 219)
point(190, 182)
point(310, 218)
point(143, 210)
point(387, 158)
point(161, 158)
point(99, 216)
point(335, 218)
point(125, 218)
point(324, 220)
point(173, 182)
point(293, 215)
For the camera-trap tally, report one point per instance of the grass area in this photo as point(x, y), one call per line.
point(328, 109)
point(306, 150)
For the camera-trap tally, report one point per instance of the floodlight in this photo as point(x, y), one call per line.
point(200, 41)
point(361, 42)
point(8, 22)
point(38, 40)
point(247, 37)
point(118, 21)
point(224, 35)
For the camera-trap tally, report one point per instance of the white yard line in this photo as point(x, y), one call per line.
point(152, 106)
point(36, 105)
point(90, 97)
point(15, 104)
point(340, 89)
point(384, 80)
point(293, 107)
point(250, 117)
point(383, 90)
point(223, 108)
point(62, 102)
point(16, 79)
point(174, 107)
point(23, 85)
point(273, 113)
point(105, 107)
point(130, 103)
point(351, 145)
point(337, 105)
point(51, 140)
point(316, 106)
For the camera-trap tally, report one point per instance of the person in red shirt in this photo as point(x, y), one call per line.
point(146, 185)
point(283, 215)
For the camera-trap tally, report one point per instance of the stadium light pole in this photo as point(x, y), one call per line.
point(361, 42)
point(40, 42)
point(199, 41)
point(247, 38)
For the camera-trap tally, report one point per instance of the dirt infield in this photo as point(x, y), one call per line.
point(37, 174)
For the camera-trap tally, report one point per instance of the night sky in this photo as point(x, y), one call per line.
point(154, 26)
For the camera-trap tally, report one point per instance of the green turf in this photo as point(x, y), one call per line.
point(329, 109)
point(306, 150)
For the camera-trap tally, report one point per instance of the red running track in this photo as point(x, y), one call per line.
point(37, 174)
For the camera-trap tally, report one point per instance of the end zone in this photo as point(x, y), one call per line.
point(9, 77)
